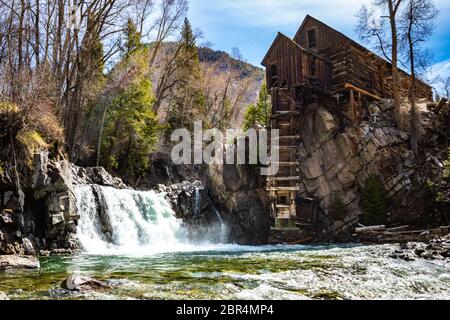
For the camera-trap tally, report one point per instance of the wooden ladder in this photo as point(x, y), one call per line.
point(284, 186)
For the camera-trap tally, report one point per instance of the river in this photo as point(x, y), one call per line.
point(148, 257)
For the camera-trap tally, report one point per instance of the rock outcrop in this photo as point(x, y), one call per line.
point(193, 204)
point(83, 284)
point(337, 159)
point(48, 218)
point(15, 262)
point(230, 195)
point(239, 192)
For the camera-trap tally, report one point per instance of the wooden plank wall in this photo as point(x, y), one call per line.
point(294, 66)
point(288, 61)
point(354, 64)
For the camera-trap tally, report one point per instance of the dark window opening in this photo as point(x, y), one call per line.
point(312, 38)
point(273, 75)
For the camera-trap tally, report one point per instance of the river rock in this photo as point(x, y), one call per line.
point(14, 262)
point(96, 175)
point(28, 247)
point(82, 283)
point(3, 296)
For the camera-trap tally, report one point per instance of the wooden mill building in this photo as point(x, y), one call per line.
point(321, 60)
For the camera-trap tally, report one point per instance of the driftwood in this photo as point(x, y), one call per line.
point(397, 229)
point(372, 228)
point(380, 234)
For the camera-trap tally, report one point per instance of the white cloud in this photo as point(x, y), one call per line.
point(244, 22)
point(441, 69)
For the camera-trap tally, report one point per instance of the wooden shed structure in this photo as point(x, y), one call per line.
point(322, 60)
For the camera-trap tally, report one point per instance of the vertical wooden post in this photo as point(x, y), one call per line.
point(359, 107)
point(352, 106)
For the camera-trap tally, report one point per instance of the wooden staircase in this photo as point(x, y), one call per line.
point(284, 186)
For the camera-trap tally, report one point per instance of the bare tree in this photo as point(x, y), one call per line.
point(417, 24)
point(372, 29)
point(443, 85)
point(143, 9)
point(171, 15)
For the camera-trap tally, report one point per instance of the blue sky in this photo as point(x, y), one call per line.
point(251, 25)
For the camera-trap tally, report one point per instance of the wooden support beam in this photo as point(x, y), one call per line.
point(284, 148)
point(287, 137)
point(286, 164)
point(283, 189)
point(283, 178)
point(363, 92)
point(352, 106)
point(285, 113)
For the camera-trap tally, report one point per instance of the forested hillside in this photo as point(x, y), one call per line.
point(102, 85)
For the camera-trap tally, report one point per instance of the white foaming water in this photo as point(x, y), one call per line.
point(142, 223)
point(223, 228)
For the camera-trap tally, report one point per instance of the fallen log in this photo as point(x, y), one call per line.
point(397, 229)
point(369, 229)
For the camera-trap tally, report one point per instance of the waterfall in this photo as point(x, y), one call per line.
point(139, 222)
point(196, 202)
point(223, 228)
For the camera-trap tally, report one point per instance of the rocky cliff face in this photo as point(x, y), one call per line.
point(240, 193)
point(227, 205)
point(42, 214)
point(336, 161)
point(235, 193)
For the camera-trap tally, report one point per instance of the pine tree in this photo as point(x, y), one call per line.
point(374, 202)
point(261, 111)
point(131, 126)
point(187, 36)
point(132, 38)
point(187, 101)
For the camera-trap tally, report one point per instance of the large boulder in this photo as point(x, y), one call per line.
point(15, 262)
point(193, 204)
point(95, 175)
point(83, 284)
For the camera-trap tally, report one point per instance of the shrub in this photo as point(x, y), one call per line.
point(374, 202)
point(31, 141)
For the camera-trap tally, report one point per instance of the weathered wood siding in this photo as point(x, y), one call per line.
point(354, 64)
point(332, 63)
point(292, 66)
point(325, 38)
point(286, 59)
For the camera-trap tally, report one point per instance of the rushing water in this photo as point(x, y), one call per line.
point(233, 272)
point(148, 256)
